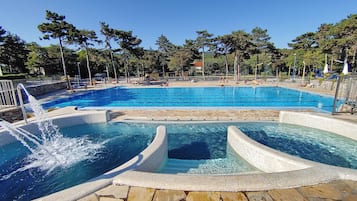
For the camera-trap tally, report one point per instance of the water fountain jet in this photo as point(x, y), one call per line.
point(50, 149)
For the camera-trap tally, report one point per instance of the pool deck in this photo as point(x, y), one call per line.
point(333, 190)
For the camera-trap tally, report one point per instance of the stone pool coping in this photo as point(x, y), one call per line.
point(149, 160)
point(140, 172)
point(319, 121)
point(280, 170)
point(69, 117)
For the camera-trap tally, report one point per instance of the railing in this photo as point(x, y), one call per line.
point(7, 95)
point(218, 78)
point(346, 91)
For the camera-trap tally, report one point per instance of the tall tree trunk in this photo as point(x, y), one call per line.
point(143, 71)
point(89, 71)
point(289, 72)
point(227, 70)
point(64, 65)
point(107, 69)
point(235, 67)
point(182, 70)
point(203, 63)
point(303, 74)
point(126, 72)
point(353, 63)
point(238, 72)
point(114, 69)
point(256, 68)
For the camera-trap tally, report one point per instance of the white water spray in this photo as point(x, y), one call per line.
point(51, 149)
point(47, 128)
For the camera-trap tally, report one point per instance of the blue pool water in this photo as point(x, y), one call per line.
point(120, 143)
point(196, 97)
point(208, 141)
point(204, 144)
point(304, 142)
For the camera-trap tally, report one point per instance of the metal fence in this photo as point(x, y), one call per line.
point(346, 92)
point(7, 94)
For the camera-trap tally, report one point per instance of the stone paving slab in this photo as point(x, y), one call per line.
point(140, 194)
point(233, 196)
point(91, 197)
point(324, 191)
point(332, 191)
point(258, 196)
point(352, 184)
point(114, 191)
point(351, 197)
point(169, 195)
point(195, 115)
point(109, 199)
point(203, 196)
point(286, 194)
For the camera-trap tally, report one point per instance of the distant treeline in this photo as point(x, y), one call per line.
point(238, 52)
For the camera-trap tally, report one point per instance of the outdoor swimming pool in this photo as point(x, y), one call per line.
point(202, 146)
point(196, 97)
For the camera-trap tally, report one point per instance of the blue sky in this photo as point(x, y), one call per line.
point(177, 19)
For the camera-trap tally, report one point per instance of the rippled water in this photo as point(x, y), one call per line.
point(197, 97)
point(122, 141)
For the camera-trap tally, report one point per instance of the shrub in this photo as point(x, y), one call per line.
point(13, 76)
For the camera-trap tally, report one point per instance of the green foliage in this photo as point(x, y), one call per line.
point(217, 63)
point(180, 61)
point(164, 45)
point(283, 76)
point(13, 53)
point(305, 41)
point(13, 76)
point(2, 34)
point(320, 81)
point(57, 27)
point(37, 57)
point(260, 40)
point(237, 52)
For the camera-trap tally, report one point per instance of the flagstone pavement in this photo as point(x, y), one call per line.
point(334, 190)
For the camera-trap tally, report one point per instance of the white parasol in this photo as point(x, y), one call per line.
point(345, 67)
point(326, 68)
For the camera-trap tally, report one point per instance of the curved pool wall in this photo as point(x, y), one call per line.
point(279, 170)
point(74, 118)
point(320, 121)
point(149, 160)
